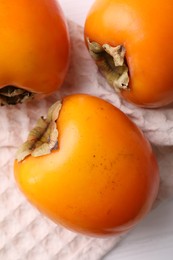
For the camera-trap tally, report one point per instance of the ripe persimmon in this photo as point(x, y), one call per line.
point(88, 167)
point(132, 44)
point(34, 49)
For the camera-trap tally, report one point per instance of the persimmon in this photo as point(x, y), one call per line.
point(34, 49)
point(88, 167)
point(132, 44)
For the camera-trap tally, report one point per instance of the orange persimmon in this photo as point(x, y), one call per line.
point(96, 173)
point(34, 49)
point(142, 33)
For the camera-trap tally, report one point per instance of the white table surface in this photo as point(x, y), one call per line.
point(152, 239)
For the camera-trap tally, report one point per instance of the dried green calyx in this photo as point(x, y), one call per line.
point(44, 137)
point(111, 62)
point(11, 95)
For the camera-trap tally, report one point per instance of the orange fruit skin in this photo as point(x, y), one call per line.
point(34, 49)
point(102, 179)
point(145, 30)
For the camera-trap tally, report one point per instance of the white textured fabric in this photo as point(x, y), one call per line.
point(26, 234)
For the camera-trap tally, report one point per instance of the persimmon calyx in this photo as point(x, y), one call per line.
point(111, 62)
point(43, 138)
point(11, 95)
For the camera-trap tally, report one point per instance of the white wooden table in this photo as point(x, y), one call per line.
point(152, 239)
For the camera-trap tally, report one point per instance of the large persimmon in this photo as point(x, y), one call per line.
point(132, 43)
point(88, 167)
point(34, 49)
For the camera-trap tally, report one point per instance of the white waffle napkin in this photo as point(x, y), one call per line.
point(26, 234)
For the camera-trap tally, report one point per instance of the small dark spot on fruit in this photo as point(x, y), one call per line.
point(109, 211)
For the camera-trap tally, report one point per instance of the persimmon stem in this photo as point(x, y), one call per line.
point(43, 138)
point(11, 95)
point(111, 62)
